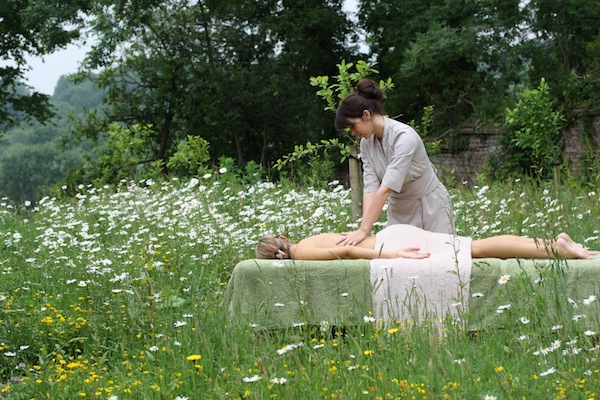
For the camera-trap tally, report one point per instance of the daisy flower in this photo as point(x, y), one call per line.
point(251, 379)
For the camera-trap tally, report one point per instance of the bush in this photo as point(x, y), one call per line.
point(532, 142)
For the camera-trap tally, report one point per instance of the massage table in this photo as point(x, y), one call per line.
point(287, 293)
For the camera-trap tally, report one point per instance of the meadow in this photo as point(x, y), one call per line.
point(119, 293)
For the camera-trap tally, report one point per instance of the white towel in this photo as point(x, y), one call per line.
point(416, 290)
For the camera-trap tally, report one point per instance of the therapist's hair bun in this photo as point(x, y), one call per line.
point(369, 89)
point(367, 96)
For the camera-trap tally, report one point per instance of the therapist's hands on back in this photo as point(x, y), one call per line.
point(372, 205)
point(352, 238)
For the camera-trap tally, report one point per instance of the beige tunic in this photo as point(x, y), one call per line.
point(400, 162)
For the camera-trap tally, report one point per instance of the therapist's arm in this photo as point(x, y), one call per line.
point(372, 206)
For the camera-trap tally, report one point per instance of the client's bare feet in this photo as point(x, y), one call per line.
point(567, 248)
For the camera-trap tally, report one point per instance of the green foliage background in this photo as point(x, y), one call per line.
point(238, 75)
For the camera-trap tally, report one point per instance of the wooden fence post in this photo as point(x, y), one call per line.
point(356, 182)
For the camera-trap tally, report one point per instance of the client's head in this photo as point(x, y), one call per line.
point(272, 246)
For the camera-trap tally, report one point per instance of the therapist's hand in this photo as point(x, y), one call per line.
point(352, 238)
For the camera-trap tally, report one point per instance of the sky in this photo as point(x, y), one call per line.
point(45, 72)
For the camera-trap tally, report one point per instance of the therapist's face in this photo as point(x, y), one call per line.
point(362, 127)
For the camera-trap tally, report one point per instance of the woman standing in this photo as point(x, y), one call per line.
point(396, 167)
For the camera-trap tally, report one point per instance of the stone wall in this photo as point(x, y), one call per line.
point(575, 145)
point(465, 164)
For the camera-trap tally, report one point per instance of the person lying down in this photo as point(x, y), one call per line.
point(324, 247)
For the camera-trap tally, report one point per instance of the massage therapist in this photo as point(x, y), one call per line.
point(396, 167)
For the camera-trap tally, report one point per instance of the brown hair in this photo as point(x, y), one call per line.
point(272, 246)
point(367, 96)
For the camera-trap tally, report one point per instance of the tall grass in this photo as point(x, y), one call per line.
point(119, 294)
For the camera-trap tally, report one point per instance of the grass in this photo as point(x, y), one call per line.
point(119, 294)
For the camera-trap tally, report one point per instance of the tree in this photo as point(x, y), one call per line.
point(313, 35)
point(27, 170)
point(565, 31)
point(433, 51)
point(32, 157)
point(532, 142)
point(82, 96)
point(440, 67)
point(227, 71)
point(564, 27)
point(37, 28)
point(593, 62)
point(467, 57)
